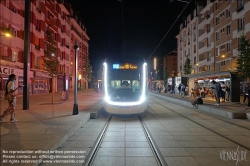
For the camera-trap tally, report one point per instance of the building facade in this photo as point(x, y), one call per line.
point(44, 13)
point(170, 65)
point(220, 25)
point(187, 41)
point(79, 35)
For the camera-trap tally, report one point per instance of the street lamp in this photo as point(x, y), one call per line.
point(197, 67)
point(6, 32)
point(26, 52)
point(75, 107)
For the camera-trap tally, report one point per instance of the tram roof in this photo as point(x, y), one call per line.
point(125, 59)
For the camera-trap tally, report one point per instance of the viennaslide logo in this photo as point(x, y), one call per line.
point(233, 155)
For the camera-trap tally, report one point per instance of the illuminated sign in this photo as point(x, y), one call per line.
point(6, 71)
point(125, 66)
point(116, 66)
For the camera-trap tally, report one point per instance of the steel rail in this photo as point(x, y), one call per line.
point(94, 150)
point(159, 158)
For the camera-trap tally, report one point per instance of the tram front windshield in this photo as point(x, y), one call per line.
point(125, 85)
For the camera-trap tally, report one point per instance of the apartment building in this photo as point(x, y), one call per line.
point(43, 13)
point(170, 64)
point(79, 35)
point(205, 59)
point(220, 24)
point(11, 48)
point(187, 41)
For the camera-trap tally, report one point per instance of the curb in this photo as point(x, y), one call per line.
point(206, 109)
point(85, 119)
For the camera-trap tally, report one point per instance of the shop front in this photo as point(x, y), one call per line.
point(205, 79)
point(41, 83)
point(5, 71)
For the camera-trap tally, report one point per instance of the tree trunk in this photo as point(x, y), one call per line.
point(53, 82)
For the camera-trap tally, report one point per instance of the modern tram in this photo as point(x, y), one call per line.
point(125, 85)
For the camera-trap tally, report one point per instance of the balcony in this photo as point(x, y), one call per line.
point(11, 16)
point(38, 28)
point(14, 42)
point(240, 8)
point(77, 32)
point(37, 47)
point(38, 9)
point(208, 16)
point(7, 61)
point(37, 67)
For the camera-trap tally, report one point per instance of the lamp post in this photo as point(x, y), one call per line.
point(26, 60)
point(75, 107)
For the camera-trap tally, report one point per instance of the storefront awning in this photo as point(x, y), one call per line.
point(211, 74)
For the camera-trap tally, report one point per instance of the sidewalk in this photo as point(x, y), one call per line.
point(233, 110)
point(45, 126)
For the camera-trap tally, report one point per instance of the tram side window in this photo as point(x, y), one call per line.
point(136, 85)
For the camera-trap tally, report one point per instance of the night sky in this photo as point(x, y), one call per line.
point(145, 24)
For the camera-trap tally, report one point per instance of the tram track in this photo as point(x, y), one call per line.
point(237, 143)
point(156, 152)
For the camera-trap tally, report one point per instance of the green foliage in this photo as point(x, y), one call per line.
point(50, 58)
point(187, 66)
point(157, 76)
point(243, 60)
point(166, 74)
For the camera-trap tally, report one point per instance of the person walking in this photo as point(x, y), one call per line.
point(248, 95)
point(247, 87)
point(216, 89)
point(183, 88)
point(227, 93)
point(223, 92)
point(179, 89)
point(196, 89)
point(10, 96)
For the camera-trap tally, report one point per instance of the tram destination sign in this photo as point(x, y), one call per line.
point(124, 66)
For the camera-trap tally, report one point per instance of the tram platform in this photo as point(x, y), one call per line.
point(45, 126)
point(232, 110)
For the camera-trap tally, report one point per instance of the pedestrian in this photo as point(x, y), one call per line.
point(10, 96)
point(196, 89)
point(197, 100)
point(248, 96)
point(247, 87)
point(183, 89)
point(191, 92)
point(223, 92)
point(227, 93)
point(173, 88)
point(216, 88)
point(179, 88)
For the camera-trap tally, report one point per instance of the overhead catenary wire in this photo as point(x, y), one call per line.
point(169, 29)
point(167, 54)
point(123, 27)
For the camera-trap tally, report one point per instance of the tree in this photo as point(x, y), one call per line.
point(243, 60)
point(187, 66)
point(88, 70)
point(50, 58)
point(166, 74)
